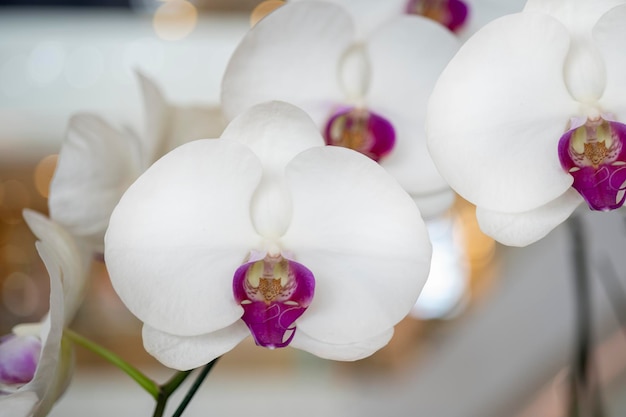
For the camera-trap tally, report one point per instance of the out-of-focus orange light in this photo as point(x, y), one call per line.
point(263, 9)
point(43, 174)
point(175, 20)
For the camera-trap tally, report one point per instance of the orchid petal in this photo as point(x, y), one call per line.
point(610, 35)
point(342, 352)
point(275, 132)
point(369, 14)
point(158, 115)
point(169, 126)
point(180, 232)
point(482, 12)
point(46, 380)
point(96, 165)
point(363, 239)
point(75, 262)
point(584, 70)
point(522, 229)
point(497, 112)
point(579, 16)
point(432, 205)
point(19, 404)
point(407, 56)
point(189, 352)
point(290, 55)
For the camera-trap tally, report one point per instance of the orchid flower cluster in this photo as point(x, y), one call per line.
point(295, 213)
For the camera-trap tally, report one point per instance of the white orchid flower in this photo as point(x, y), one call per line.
point(365, 89)
point(35, 367)
point(98, 162)
point(268, 232)
point(369, 14)
point(526, 122)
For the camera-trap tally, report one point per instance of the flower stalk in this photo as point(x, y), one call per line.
point(584, 398)
point(146, 383)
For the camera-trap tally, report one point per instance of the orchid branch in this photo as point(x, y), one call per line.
point(194, 388)
point(146, 383)
point(582, 401)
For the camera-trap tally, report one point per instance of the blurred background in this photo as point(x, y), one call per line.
point(491, 336)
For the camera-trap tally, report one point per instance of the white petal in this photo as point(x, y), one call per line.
point(584, 69)
point(610, 35)
point(46, 378)
point(369, 14)
point(362, 238)
point(158, 117)
point(75, 262)
point(96, 165)
point(275, 132)
point(189, 352)
point(19, 404)
point(290, 55)
point(497, 112)
point(522, 229)
point(407, 56)
point(579, 16)
point(482, 12)
point(346, 352)
point(433, 205)
point(169, 126)
point(180, 232)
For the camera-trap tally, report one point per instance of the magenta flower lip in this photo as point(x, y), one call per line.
point(451, 13)
point(19, 356)
point(273, 292)
point(595, 156)
point(361, 130)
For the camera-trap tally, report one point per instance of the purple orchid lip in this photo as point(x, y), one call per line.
point(451, 13)
point(361, 130)
point(19, 356)
point(274, 292)
point(595, 156)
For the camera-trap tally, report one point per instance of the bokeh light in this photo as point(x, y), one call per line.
point(20, 294)
point(175, 19)
point(43, 174)
point(263, 9)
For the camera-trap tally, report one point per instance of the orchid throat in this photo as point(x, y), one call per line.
point(594, 154)
point(361, 130)
point(274, 292)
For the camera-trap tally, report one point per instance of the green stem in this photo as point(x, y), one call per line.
point(160, 406)
point(168, 389)
point(146, 383)
point(174, 382)
point(194, 388)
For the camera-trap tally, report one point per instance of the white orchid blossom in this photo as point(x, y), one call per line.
point(98, 162)
point(268, 232)
point(526, 121)
point(365, 87)
point(35, 367)
point(369, 14)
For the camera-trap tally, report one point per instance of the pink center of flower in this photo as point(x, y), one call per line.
point(362, 131)
point(273, 292)
point(450, 13)
point(19, 356)
point(595, 156)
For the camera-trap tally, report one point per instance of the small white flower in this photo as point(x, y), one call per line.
point(363, 79)
point(530, 111)
point(98, 162)
point(226, 237)
point(35, 367)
